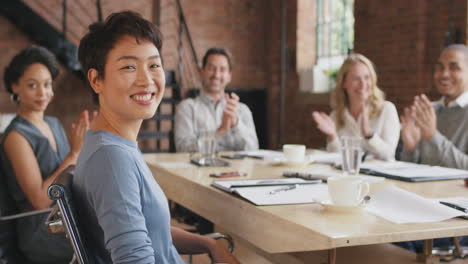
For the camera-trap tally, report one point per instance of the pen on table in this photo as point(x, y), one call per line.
point(283, 189)
point(454, 206)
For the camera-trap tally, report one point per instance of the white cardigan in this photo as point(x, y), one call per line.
point(386, 129)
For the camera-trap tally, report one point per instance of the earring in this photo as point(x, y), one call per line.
point(14, 98)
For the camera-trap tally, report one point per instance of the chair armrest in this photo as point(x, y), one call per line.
point(21, 215)
point(226, 237)
point(53, 223)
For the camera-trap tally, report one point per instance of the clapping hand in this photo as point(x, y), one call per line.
point(78, 130)
point(230, 118)
point(410, 132)
point(427, 119)
point(325, 124)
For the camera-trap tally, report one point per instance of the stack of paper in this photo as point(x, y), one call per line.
point(400, 206)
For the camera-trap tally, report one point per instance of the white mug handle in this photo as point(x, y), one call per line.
point(364, 189)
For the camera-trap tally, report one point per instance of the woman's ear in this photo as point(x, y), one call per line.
point(15, 88)
point(94, 80)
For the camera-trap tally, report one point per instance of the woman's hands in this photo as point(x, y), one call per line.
point(189, 243)
point(410, 132)
point(220, 254)
point(325, 124)
point(78, 131)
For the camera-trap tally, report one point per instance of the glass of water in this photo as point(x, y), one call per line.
point(206, 142)
point(351, 154)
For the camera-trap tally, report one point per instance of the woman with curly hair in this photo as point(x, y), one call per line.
point(34, 150)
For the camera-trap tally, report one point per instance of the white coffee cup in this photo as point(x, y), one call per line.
point(347, 190)
point(294, 153)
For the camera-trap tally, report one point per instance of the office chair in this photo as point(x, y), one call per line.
point(64, 219)
point(9, 251)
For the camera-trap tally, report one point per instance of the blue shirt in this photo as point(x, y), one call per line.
point(126, 212)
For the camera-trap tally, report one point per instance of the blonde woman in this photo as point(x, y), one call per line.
point(359, 109)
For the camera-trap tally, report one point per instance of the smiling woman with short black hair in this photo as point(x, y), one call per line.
point(126, 211)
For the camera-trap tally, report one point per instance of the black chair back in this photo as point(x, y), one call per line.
point(61, 192)
point(9, 252)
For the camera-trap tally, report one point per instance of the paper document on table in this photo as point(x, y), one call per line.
point(411, 171)
point(400, 206)
point(231, 185)
point(176, 165)
point(263, 154)
point(459, 203)
point(269, 195)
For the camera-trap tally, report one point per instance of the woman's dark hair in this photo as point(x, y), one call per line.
point(218, 51)
point(25, 58)
point(102, 36)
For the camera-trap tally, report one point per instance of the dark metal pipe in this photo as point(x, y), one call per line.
point(99, 10)
point(284, 69)
point(64, 18)
point(184, 24)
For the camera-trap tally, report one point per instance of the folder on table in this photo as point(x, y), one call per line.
point(273, 191)
point(412, 172)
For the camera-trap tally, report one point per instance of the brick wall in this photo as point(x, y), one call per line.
point(238, 25)
point(403, 38)
point(11, 40)
point(71, 95)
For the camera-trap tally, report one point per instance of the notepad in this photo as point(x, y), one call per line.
point(412, 172)
point(265, 191)
point(230, 186)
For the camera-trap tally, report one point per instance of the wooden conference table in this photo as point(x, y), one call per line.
point(304, 233)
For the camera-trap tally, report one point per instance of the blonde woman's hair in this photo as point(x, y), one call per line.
point(339, 97)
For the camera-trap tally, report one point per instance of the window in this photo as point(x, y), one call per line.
point(334, 40)
point(335, 27)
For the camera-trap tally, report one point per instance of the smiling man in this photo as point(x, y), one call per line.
point(435, 133)
point(215, 110)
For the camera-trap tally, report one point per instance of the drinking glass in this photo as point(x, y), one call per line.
point(351, 153)
point(206, 142)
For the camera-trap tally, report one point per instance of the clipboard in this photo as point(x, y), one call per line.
point(231, 185)
point(412, 179)
point(275, 191)
point(412, 172)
